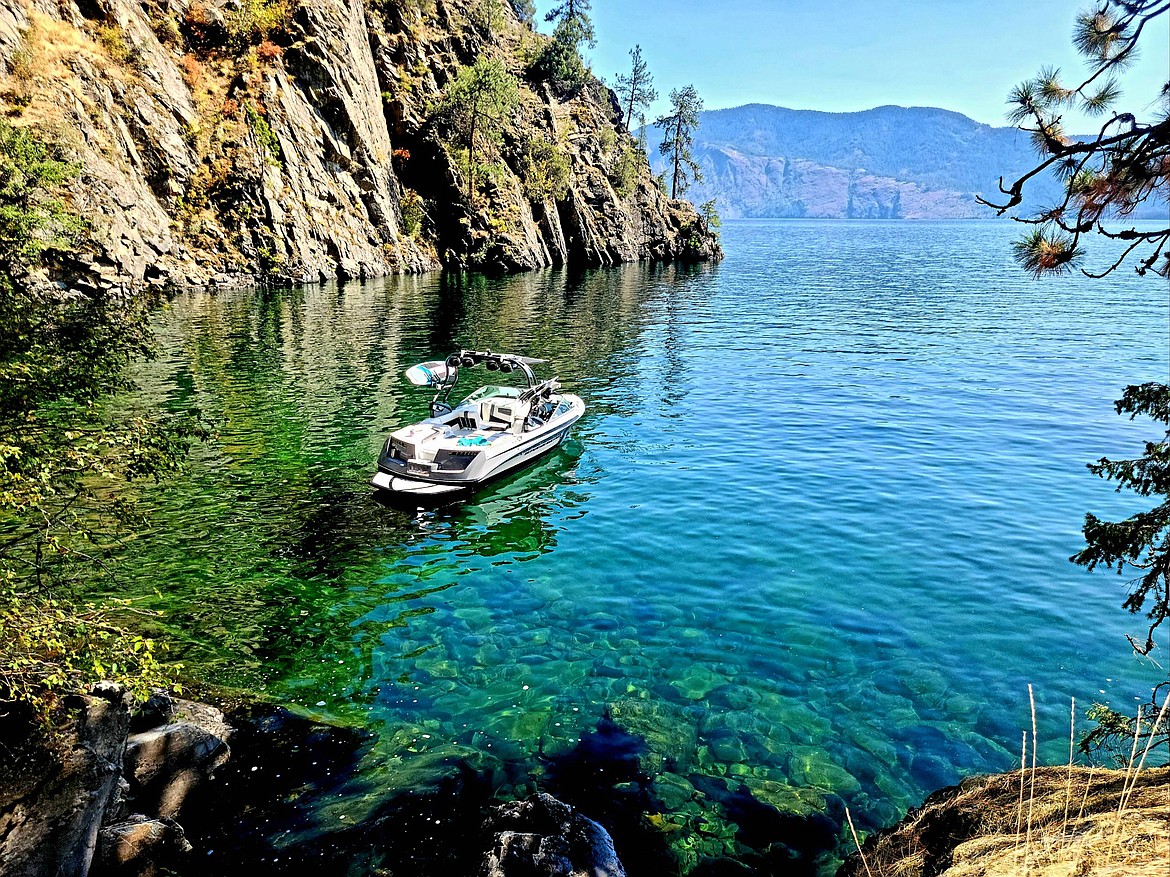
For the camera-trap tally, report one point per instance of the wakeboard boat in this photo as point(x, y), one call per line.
point(496, 430)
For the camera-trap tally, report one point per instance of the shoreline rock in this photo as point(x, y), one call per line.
point(1071, 823)
point(100, 799)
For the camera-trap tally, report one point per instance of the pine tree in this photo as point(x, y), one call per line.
point(476, 106)
point(525, 10)
point(678, 139)
point(636, 90)
point(1107, 176)
point(572, 18)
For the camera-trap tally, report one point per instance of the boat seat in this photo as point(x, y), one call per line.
point(500, 411)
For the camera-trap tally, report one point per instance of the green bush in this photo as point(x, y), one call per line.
point(412, 212)
point(51, 647)
point(624, 173)
point(545, 171)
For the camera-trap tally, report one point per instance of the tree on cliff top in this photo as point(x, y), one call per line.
point(560, 60)
point(1105, 178)
point(678, 141)
point(574, 13)
point(636, 90)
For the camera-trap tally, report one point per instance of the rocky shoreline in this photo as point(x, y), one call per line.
point(178, 787)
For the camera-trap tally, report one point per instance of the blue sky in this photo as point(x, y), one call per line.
point(844, 55)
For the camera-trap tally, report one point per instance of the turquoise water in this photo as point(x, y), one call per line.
point(808, 546)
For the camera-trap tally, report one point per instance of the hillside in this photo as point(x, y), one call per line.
point(297, 140)
point(888, 163)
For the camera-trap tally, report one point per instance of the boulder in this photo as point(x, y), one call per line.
point(54, 794)
point(165, 763)
point(140, 847)
point(544, 837)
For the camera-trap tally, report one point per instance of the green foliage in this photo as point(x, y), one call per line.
point(559, 62)
point(1114, 732)
point(546, 171)
point(624, 174)
point(50, 648)
point(636, 90)
point(253, 21)
point(1105, 177)
point(574, 16)
point(413, 212)
point(264, 134)
point(113, 39)
point(32, 218)
point(710, 216)
point(678, 142)
point(1141, 541)
point(65, 464)
point(525, 10)
point(488, 16)
point(474, 110)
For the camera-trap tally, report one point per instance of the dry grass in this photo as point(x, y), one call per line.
point(1064, 821)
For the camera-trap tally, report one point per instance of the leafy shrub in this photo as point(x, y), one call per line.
point(61, 459)
point(254, 20)
point(265, 136)
point(545, 171)
point(51, 647)
point(412, 212)
point(624, 173)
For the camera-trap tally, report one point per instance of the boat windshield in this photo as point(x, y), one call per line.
point(491, 390)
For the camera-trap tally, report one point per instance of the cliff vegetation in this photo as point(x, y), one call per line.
point(224, 141)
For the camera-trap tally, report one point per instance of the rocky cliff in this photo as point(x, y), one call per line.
point(298, 140)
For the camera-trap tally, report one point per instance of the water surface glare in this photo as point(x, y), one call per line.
point(810, 540)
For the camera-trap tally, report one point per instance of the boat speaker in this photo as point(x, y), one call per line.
point(506, 366)
point(453, 361)
point(492, 365)
point(468, 362)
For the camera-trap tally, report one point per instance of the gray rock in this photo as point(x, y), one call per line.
point(140, 847)
point(302, 176)
point(164, 764)
point(544, 837)
point(53, 797)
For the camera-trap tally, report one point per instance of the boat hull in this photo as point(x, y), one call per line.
point(397, 477)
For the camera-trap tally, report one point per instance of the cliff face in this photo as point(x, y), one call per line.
point(231, 140)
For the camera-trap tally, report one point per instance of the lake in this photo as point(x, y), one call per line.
point(806, 550)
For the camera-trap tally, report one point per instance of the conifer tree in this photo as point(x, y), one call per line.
point(1106, 176)
point(636, 90)
point(678, 138)
point(572, 20)
point(525, 10)
point(476, 106)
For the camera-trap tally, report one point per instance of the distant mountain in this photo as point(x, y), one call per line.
point(885, 163)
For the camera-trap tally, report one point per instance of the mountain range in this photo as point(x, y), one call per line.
point(885, 163)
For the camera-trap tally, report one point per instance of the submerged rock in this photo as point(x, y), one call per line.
point(543, 837)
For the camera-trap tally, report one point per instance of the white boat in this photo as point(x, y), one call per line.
point(496, 430)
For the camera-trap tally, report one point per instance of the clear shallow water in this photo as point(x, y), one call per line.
point(810, 541)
